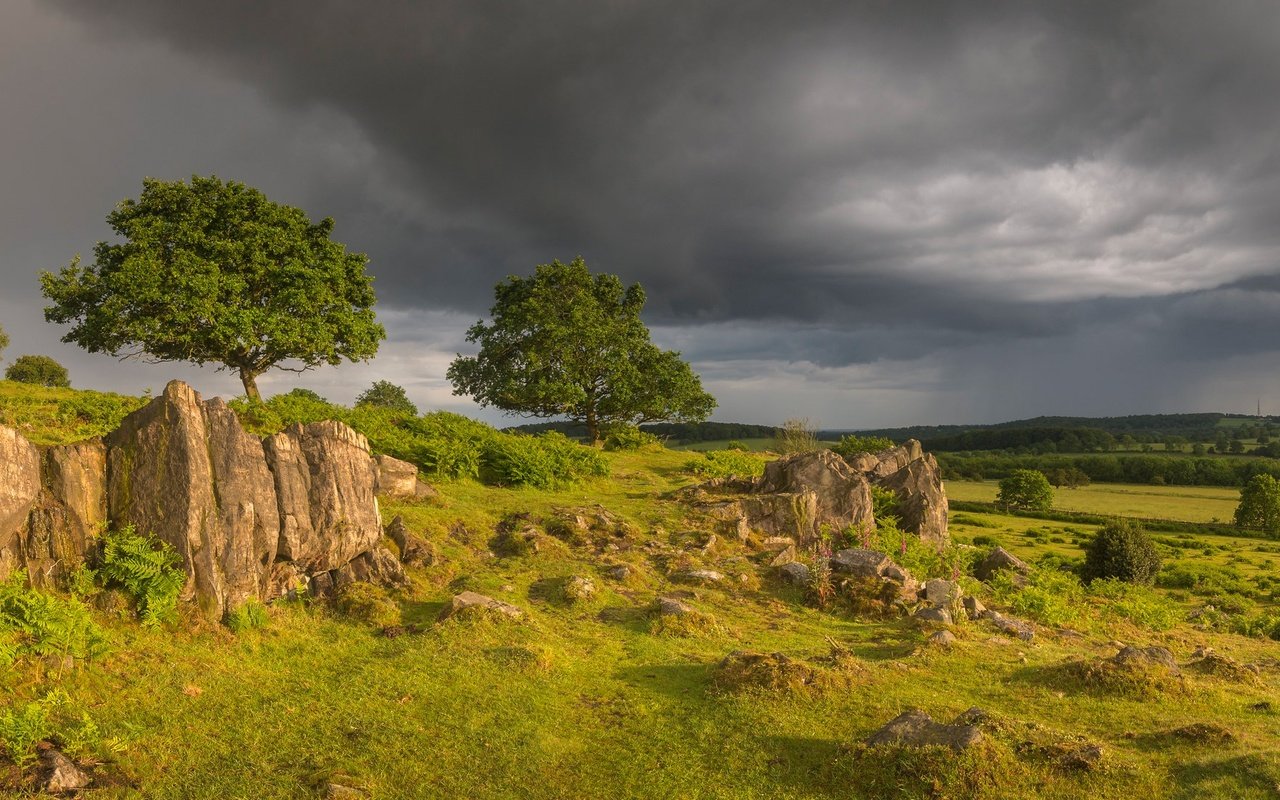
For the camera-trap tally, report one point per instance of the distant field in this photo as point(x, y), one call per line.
point(1183, 503)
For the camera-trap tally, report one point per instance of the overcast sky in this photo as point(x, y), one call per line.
point(866, 213)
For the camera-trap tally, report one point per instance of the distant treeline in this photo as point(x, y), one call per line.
point(1066, 440)
point(675, 432)
point(1144, 428)
point(1179, 471)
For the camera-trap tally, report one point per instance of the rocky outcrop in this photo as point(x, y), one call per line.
point(396, 478)
point(922, 502)
point(915, 728)
point(800, 495)
point(250, 519)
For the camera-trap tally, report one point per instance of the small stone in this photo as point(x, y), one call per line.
point(795, 573)
point(973, 607)
point(942, 638)
point(998, 560)
point(620, 572)
point(62, 773)
point(915, 728)
point(785, 556)
point(340, 791)
point(579, 588)
point(467, 601)
point(934, 615)
point(671, 607)
point(700, 576)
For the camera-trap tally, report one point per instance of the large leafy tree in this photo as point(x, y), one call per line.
point(567, 342)
point(1025, 489)
point(38, 370)
point(216, 273)
point(1260, 505)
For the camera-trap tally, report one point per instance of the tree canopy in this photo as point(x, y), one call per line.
point(1260, 505)
point(567, 342)
point(38, 370)
point(4, 340)
point(1026, 489)
point(385, 394)
point(216, 273)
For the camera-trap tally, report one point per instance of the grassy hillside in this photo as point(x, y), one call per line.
point(601, 698)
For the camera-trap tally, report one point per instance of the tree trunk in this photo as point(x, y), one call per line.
point(593, 428)
point(250, 381)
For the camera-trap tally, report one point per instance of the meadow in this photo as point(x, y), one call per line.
point(1181, 503)
point(600, 698)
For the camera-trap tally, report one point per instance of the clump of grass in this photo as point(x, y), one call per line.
point(1131, 679)
point(1049, 596)
point(692, 624)
point(744, 670)
point(249, 615)
point(526, 659)
point(988, 770)
point(368, 603)
point(1227, 669)
point(1136, 603)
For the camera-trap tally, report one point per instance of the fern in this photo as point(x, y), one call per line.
point(34, 622)
point(148, 570)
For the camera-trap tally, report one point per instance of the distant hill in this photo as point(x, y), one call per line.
point(1089, 432)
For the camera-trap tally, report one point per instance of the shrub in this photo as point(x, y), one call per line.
point(41, 624)
point(1139, 604)
point(147, 569)
point(385, 394)
point(631, 438)
point(365, 602)
point(884, 503)
point(796, 436)
point(1122, 550)
point(38, 370)
point(247, 616)
point(726, 463)
point(851, 446)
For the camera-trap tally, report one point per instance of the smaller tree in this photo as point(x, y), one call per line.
point(385, 394)
point(1260, 505)
point(1026, 489)
point(38, 370)
point(4, 341)
point(852, 446)
point(1121, 550)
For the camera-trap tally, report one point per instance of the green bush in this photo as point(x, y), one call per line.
point(387, 395)
point(631, 438)
point(365, 602)
point(884, 503)
point(38, 371)
point(852, 446)
point(1121, 550)
point(148, 570)
point(42, 624)
point(726, 463)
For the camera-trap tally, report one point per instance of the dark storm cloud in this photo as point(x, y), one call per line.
point(816, 189)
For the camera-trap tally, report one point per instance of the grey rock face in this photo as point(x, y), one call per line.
point(471, 601)
point(19, 483)
point(794, 573)
point(997, 560)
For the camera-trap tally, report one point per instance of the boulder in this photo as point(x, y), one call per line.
point(1146, 658)
point(19, 483)
point(579, 588)
point(795, 573)
point(891, 461)
point(824, 491)
point(973, 607)
point(922, 503)
point(186, 472)
point(70, 509)
point(942, 638)
point(997, 560)
point(934, 615)
point(620, 572)
point(914, 728)
point(414, 550)
point(785, 556)
point(860, 563)
point(379, 566)
point(471, 602)
point(395, 478)
point(699, 576)
point(324, 478)
point(671, 607)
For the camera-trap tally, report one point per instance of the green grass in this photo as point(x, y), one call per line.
point(590, 700)
point(1183, 503)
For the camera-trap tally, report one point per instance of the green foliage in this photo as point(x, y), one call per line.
point(1026, 489)
point(1136, 603)
point(215, 273)
point(368, 603)
point(38, 371)
point(1050, 596)
point(884, 503)
point(249, 615)
point(4, 340)
point(1121, 550)
point(25, 725)
point(147, 570)
point(797, 435)
point(922, 559)
point(441, 444)
point(1260, 505)
point(34, 622)
point(726, 463)
point(566, 342)
point(385, 394)
point(631, 438)
point(851, 445)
